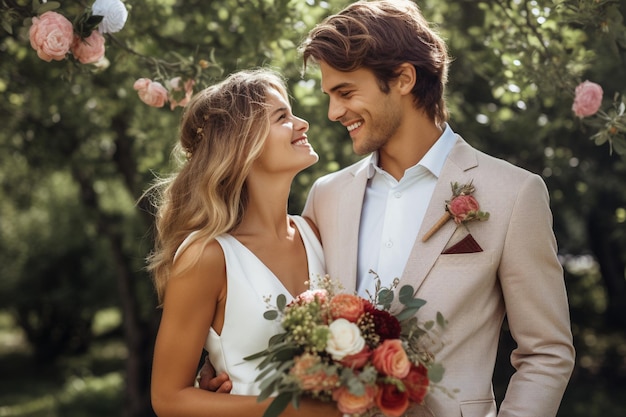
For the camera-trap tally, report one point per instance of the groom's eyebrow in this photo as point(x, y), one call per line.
point(337, 87)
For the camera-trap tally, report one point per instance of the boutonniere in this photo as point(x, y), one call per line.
point(462, 208)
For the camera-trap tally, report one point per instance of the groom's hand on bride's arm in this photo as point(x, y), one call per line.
point(211, 382)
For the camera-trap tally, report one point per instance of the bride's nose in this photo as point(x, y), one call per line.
point(301, 124)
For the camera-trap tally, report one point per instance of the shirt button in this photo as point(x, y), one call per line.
point(397, 194)
point(389, 243)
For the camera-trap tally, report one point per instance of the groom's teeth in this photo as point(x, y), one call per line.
point(354, 126)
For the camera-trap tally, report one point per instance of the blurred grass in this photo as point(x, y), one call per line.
point(88, 385)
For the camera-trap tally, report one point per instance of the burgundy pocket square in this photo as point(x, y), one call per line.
point(467, 245)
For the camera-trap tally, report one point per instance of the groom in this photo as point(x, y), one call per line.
point(384, 70)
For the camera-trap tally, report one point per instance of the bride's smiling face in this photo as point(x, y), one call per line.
point(286, 147)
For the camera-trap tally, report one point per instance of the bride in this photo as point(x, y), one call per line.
point(225, 243)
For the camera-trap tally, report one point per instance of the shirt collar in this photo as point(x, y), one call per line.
point(432, 161)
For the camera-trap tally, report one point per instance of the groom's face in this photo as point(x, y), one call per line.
point(371, 116)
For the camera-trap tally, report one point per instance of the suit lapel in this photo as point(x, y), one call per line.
point(457, 168)
point(351, 203)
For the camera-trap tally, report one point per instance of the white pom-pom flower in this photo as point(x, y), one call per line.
point(114, 15)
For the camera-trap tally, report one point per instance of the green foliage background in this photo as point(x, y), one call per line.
point(78, 148)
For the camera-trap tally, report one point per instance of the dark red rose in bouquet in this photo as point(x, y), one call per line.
point(391, 401)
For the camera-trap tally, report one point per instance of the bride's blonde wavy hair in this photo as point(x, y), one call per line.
point(223, 130)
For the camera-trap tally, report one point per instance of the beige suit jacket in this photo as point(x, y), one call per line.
point(517, 274)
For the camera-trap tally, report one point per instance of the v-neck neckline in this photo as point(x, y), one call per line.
point(258, 260)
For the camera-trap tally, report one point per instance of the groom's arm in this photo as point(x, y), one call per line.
point(536, 306)
point(309, 208)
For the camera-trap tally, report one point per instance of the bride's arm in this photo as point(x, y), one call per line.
point(194, 302)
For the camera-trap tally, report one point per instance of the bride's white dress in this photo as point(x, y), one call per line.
point(245, 331)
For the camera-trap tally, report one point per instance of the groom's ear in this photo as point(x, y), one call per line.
point(406, 78)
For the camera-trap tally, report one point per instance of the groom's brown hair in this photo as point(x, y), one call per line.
point(379, 36)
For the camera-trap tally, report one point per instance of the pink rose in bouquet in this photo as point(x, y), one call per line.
point(588, 99)
point(151, 92)
point(311, 376)
point(90, 49)
point(357, 360)
point(51, 35)
point(346, 306)
point(390, 359)
point(349, 403)
point(463, 207)
point(311, 295)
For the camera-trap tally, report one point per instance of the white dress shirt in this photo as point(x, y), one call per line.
point(393, 212)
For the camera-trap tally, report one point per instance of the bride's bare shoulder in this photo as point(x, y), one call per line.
point(202, 263)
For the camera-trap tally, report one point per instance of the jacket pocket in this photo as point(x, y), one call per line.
point(478, 408)
point(464, 259)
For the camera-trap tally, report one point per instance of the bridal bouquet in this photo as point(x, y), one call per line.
point(354, 351)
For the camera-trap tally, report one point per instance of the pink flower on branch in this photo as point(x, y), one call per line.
point(179, 93)
point(90, 49)
point(151, 92)
point(51, 35)
point(588, 99)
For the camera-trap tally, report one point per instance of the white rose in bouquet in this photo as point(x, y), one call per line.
point(345, 339)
